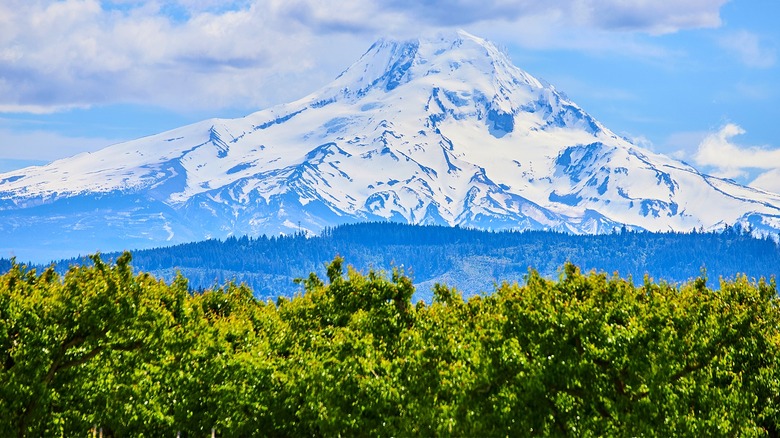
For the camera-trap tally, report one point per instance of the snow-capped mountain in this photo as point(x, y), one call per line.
point(442, 130)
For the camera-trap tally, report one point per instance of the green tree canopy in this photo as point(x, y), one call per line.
point(586, 354)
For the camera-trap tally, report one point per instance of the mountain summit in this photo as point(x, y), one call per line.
point(441, 130)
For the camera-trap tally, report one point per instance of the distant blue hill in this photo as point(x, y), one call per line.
point(470, 260)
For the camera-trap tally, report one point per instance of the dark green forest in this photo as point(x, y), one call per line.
point(471, 260)
point(107, 347)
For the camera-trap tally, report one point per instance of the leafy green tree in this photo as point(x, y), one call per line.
point(73, 346)
point(586, 354)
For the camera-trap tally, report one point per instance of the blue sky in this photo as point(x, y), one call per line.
point(695, 79)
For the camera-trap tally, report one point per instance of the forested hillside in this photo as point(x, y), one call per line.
point(471, 260)
point(584, 355)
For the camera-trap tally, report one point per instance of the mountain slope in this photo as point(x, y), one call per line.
point(471, 260)
point(430, 131)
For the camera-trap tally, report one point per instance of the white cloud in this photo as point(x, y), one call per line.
point(769, 180)
point(75, 53)
point(718, 150)
point(653, 16)
point(749, 49)
point(186, 54)
point(730, 160)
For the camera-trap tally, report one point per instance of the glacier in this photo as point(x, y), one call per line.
point(441, 130)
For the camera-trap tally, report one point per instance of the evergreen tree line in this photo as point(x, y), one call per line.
point(587, 354)
point(470, 259)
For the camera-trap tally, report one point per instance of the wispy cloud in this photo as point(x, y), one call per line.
point(77, 53)
point(657, 17)
point(748, 47)
point(251, 53)
point(730, 160)
point(45, 145)
point(682, 145)
point(640, 15)
point(769, 180)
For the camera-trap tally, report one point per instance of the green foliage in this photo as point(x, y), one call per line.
point(587, 354)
